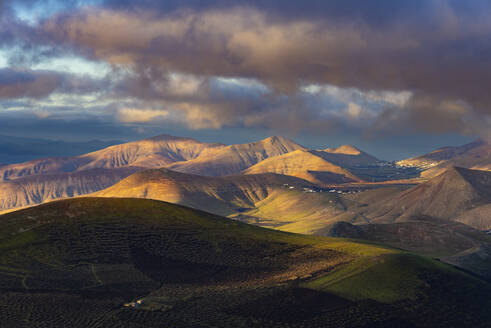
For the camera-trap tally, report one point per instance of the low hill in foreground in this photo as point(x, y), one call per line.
point(75, 263)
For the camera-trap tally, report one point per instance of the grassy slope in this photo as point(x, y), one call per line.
point(310, 213)
point(32, 244)
point(27, 235)
point(386, 279)
point(296, 211)
point(135, 246)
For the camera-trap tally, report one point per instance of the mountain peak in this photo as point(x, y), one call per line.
point(445, 196)
point(278, 139)
point(481, 180)
point(304, 164)
point(458, 169)
point(344, 149)
point(453, 172)
point(281, 144)
point(461, 171)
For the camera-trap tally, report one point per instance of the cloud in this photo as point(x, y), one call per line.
point(134, 115)
point(429, 114)
point(18, 84)
point(430, 56)
point(245, 42)
point(26, 83)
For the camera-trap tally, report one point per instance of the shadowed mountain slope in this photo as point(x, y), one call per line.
point(76, 262)
point(305, 165)
point(236, 158)
point(219, 195)
point(452, 242)
point(447, 196)
point(36, 189)
point(272, 200)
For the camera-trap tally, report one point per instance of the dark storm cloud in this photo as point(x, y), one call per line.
point(20, 83)
point(374, 12)
point(437, 50)
point(424, 52)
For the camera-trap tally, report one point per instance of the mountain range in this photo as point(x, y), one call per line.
point(263, 182)
point(45, 179)
point(235, 158)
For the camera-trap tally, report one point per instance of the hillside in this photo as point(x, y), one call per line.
point(475, 155)
point(219, 195)
point(452, 242)
point(269, 200)
point(83, 259)
point(305, 165)
point(236, 158)
point(447, 196)
point(478, 217)
point(295, 211)
point(36, 189)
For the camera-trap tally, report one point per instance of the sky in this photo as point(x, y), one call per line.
point(395, 78)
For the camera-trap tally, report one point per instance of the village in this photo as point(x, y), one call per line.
point(338, 190)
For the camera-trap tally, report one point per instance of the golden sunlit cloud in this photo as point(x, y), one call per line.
point(134, 115)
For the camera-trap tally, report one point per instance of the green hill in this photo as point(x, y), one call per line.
point(75, 263)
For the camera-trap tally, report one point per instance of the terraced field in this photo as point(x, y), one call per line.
point(76, 263)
